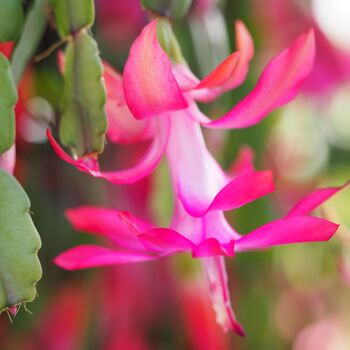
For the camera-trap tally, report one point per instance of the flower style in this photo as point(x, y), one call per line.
point(155, 100)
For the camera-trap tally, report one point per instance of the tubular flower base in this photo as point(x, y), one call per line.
point(161, 96)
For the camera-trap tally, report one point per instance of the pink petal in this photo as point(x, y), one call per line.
point(245, 47)
point(299, 229)
point(242, 190)
point(13, 310)
point(221, 74)
point(61, 61)
point(165, 240)
point(231, 72)
point(212, 247)
point(313, 200)
point(215, 271)
point(278, 84)
point(122, 125)
point(87, 256)
point(107, 223)
point(8, 159)
point(244, 162)
point(149, 85)
point(200, 182)
point(143, 168)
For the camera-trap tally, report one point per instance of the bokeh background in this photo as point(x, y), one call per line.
point(295, 297)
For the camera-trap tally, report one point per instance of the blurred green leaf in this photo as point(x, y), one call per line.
point(73, 15)
point(174, 9)
point(8, 99)
point(84, 121)
point(20, 268)
point(168, 41)
point(11, 19)
point(32, 32)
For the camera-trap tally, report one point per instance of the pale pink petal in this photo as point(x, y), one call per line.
point(149, 84)
point(165, 240)
point(190, 227)
point(212, 247)
point(299, 229)
point(8, 159)
point(278, 84)
point(122, 125)
point(87, 256)
point(313, 200)
point(215, 271)
point(244, 162)
point(216, 226)
point(196, 175)
point(143, 168)
point(108, 223)
point(184, 77)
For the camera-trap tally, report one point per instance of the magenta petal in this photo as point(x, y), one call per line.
point(107, 223)
point(212, 247)
point(240, 191)
point(244, 162)
point(165, 240)
point(147, 163)
point(131, 175)
point(278, 84)
point(87, 256)
point(243, 189)
point(299, 229)
point(313, 200)
point(149, 84)
point(215, 271)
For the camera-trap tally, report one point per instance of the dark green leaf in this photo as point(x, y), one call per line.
point(73, 15)
point(11, 19)
point(83, 122)
point(20, 268)
point(174, 9)
point(168, 41)
point(8, 99)
point(32, 32)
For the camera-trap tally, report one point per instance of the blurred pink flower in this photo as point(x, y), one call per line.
point(119, 21)
point(332, 65)
point(161, 96)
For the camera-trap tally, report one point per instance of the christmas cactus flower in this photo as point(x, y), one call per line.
point(156, 100)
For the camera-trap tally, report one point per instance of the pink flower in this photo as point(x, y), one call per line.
point(161, 96)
